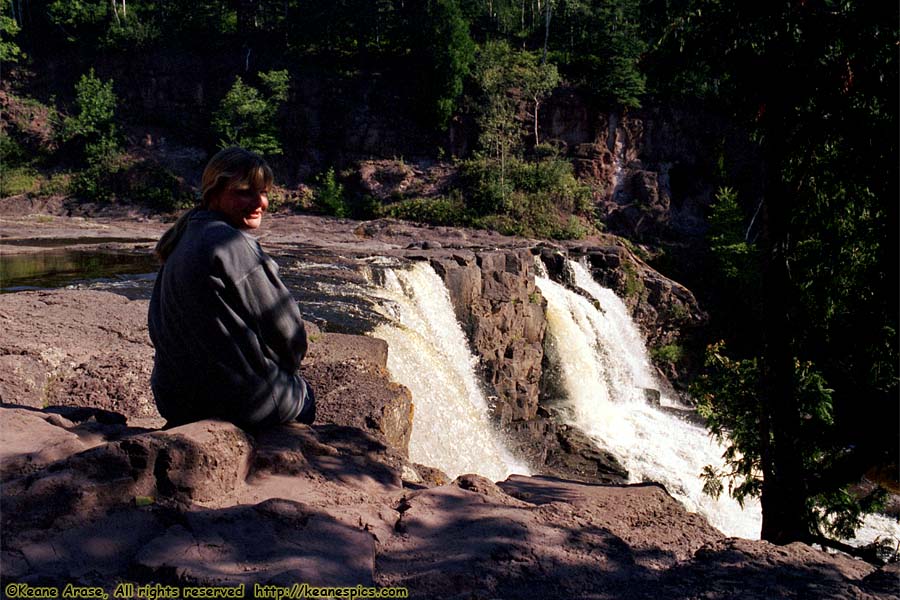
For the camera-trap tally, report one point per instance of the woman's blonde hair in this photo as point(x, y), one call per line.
point(229, 168)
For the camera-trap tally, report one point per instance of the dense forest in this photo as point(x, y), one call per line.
point(797, 262)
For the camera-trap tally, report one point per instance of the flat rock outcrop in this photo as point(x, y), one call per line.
point(83, 344)
point(91, 349)
point(207, 504)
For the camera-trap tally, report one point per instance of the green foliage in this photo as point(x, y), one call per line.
point(448, 52)
point(131, 31)
point(737, 259)
point(10, 52)
point(95, 103)
point(668, 353)
point(437, 211)
point(73, 15)
point(278, 83)
point(602, 44)
point(248, 119)
point(155, 186)
point(726, 398)
point(496, 112)
point(329, 195)
point(92, 129)
point(11, 152)
point(58, 184)
point(20, 180)
point(634, 284)
point(538, 200)
point(825, 288)
point(551, 179)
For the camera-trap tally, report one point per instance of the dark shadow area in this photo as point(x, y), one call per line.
point(118, 513)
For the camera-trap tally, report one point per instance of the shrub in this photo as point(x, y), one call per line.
point(248, 119)
point(669, 353)
point(535, 198)
point(21, 180)
point(96, 104)
point(57, 184)
point(329, 194)
point(92, 128)
point(155, 186)
point(11, 152)
point(438, 211)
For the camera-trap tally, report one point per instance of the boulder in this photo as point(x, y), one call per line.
point(559, 450)
point(353, 387)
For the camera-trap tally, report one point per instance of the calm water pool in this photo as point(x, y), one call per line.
point(59, 267)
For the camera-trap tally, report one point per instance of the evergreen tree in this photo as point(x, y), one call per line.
point(448, 52)
point(248, 119)
point(825, 382)
point(92, 130)
point(599, 43)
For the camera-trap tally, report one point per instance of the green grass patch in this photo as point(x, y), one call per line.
point(19, 180)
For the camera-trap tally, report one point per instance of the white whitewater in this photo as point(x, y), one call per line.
point(429, 354)
point(604, 370)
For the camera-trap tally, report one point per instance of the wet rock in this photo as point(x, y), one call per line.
point(552, 448)
point(431, 476)
point(662, 308)
point(503, 314)
point(352, 386)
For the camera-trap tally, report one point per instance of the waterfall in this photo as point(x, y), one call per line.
point(603, 371)
point(429, 354)
point(616, 145)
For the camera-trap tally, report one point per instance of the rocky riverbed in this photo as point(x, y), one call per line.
point(94, 493)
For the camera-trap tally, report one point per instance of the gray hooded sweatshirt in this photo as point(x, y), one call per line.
point(228, 337)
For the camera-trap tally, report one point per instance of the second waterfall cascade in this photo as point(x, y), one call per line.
point(603, 372)
point(429, 354)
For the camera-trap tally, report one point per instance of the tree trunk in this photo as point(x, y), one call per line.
point(783, 492)
point(546, 32)
point(115, 11)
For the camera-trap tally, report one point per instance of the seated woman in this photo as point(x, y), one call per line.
point(228, 337)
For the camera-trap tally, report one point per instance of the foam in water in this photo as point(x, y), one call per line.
point(604, 369)
point(429, 354)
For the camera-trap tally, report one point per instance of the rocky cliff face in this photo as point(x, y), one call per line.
point(655, 174)
point(503, 312)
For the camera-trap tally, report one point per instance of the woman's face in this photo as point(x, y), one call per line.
point(243, 207)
